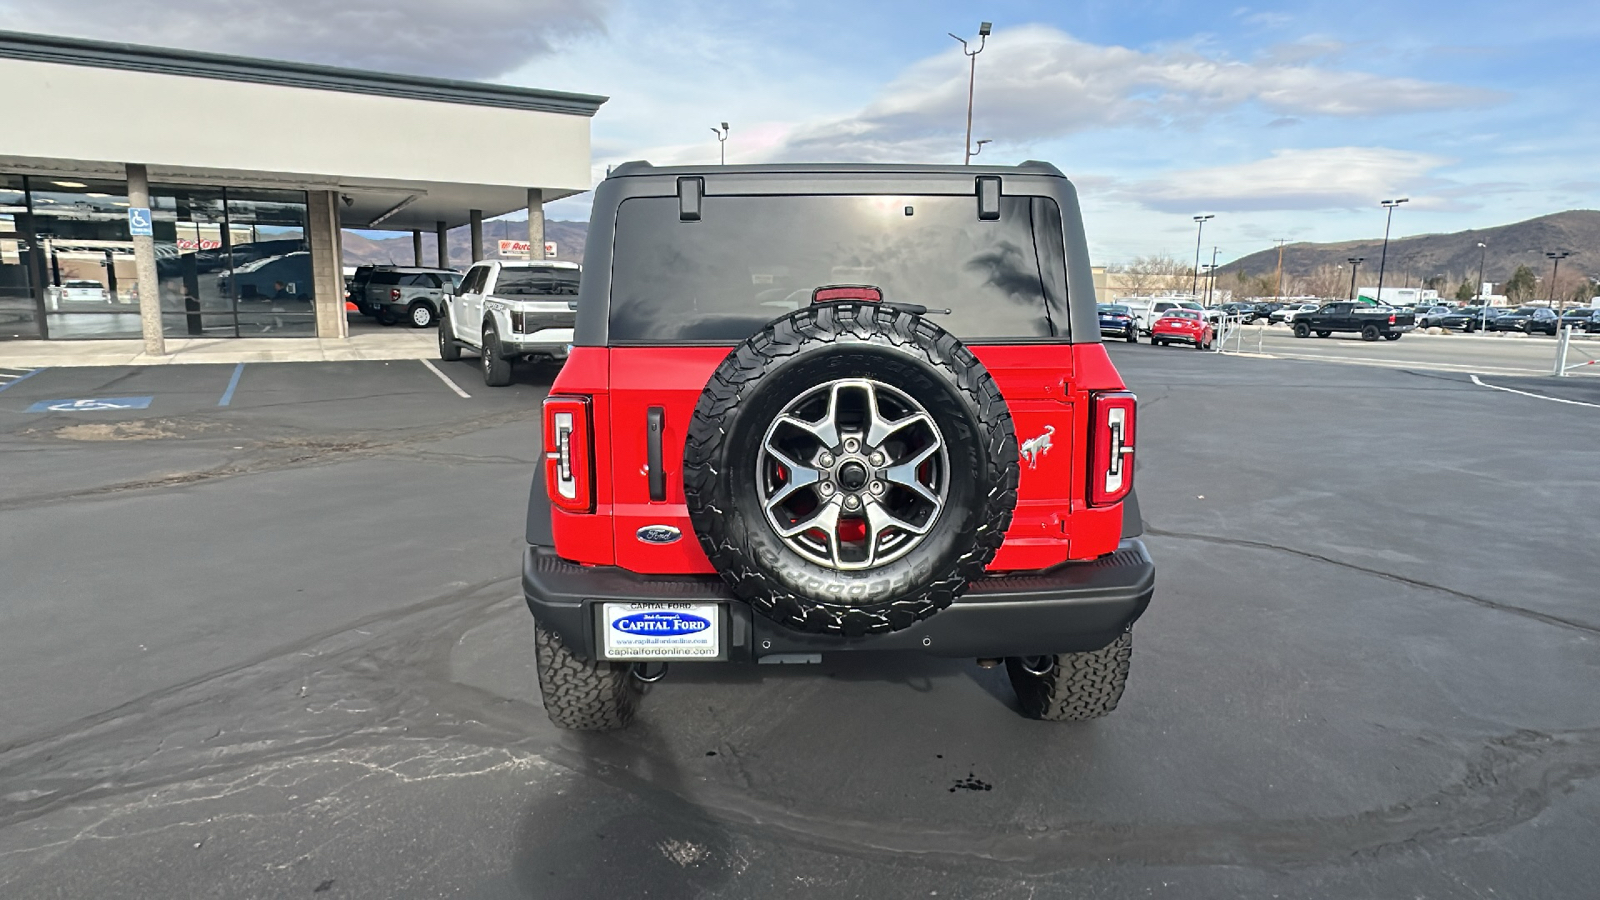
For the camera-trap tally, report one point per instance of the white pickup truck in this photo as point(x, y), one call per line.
point(507, 310)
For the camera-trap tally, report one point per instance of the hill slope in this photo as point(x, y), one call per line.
point(1454, 255)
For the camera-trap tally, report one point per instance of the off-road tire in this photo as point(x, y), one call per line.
point(496, 368)
point(449, 350)
point(1301, 330)
point(1369, 333)
point(1392, 336)
point(581, 694)
point(791, 355)
point(1079, 686)
point(1323, 334)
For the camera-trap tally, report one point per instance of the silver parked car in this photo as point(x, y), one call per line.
point(414, 294)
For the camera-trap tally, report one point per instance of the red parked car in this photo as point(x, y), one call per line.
point(816, 409)
point(1182, 326)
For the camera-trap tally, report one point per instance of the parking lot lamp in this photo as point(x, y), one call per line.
point(1211, 275)
point(1555, 259)
point(1483, 302)
point(722, 141)
point(1384, 257)
point(1194, 289)
point(972, 77)
point(1355, 265)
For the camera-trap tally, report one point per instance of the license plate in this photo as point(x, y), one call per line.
point(662, 631)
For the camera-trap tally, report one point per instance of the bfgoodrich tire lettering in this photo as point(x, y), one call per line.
point(582, 694)
point(794, 354)
point(1076, 686)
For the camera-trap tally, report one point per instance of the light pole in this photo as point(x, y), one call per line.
point(1555, 259)
point(1194, 289)
point(1355, 266)
point(722, 141)
point(978, 148)
point(1211, 275)
point(1384, 257)
point(1483, 302)
point(972, 77)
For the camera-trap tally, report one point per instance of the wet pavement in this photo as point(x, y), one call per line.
point(277, 648)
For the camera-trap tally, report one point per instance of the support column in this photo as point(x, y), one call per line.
point(442, 235)
point(416, 248)
point(327, 274)
point(475, 217)
point(535, 223)
point(144, 266)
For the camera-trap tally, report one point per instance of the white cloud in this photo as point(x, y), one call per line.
point(460, 39)
point(1036, 82)
point(1324, 178)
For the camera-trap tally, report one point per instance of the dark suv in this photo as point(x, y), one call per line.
point(835, 408)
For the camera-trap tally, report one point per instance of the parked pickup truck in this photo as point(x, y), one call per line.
point(505, 311)
point(1371, 322)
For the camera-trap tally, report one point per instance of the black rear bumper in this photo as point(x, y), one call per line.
point(1071, 608)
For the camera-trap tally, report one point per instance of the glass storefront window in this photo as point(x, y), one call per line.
point(19, 311)
point(86, 256)
point(232, 262)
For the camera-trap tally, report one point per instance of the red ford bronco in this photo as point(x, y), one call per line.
point(826, 408)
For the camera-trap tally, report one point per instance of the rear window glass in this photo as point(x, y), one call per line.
point(536, 283)
point(1181, 314)
point(750, 260)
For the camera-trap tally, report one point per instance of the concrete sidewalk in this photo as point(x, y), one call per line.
point(387, 344)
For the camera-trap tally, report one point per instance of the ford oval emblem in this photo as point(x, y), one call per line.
point(658, 534)
point(662, 623)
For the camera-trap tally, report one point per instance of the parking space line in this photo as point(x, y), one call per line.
point(446, 379)
point(23, 377)
point(233, 383)
point(1535, 396)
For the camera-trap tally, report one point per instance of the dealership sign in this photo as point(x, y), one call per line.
point(202, 244)
point(519, 249)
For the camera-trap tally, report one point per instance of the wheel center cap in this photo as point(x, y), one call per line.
point(852, 476)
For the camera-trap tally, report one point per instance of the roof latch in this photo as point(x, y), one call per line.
point(989, 197)
point(690, 190)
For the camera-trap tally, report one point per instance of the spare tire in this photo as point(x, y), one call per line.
point(850, 468)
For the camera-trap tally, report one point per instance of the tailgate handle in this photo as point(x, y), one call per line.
point(654, 422)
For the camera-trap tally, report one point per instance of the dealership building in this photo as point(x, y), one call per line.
point(155, 193)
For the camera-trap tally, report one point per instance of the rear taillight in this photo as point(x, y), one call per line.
point(1111, 447)
point(569, 457)
point(394, 293)
point(1391, 319)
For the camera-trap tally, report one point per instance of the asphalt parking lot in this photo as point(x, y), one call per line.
point(277, 647)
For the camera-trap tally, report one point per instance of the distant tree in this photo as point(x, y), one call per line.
point(1157, 272)
point(1522, 285)
point(1325, 281)
point(1466, 291)
point(1436, 283)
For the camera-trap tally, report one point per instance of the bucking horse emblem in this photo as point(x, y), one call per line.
point(1033, 448)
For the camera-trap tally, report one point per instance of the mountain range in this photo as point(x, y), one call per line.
point(1455, 256)
point(360, 249)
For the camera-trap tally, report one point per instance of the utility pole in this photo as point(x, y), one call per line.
point(972, 77)
point(722, 141)
point(1382, 260)
point(1279, 289)
point(1355, 266)
point(1194, 289)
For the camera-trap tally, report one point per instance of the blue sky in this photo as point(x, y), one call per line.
point(1287, 120)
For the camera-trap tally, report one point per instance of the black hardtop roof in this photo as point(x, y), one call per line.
point(638, 168)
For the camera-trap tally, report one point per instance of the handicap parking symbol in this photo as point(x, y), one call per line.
point(96, 404)
point(139, 222)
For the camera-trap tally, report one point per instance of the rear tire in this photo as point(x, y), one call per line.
point(496, 368)
point(581, 694)
point(449, 350)
point(1369, 333)
point(1078, 686)
point(1133, 337)
point(1392, 336)
point(420, 314)
point(384, 316)
point(1301, 330)
point(1323, 334)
